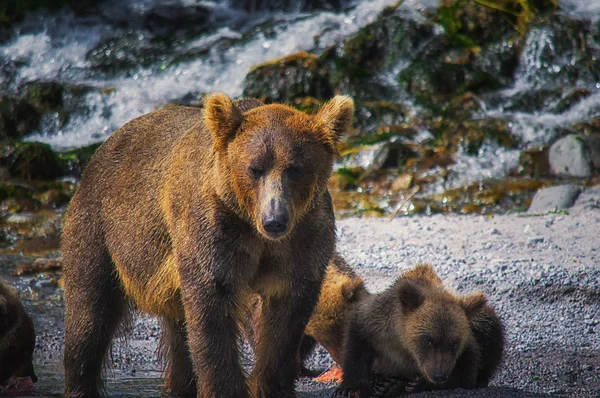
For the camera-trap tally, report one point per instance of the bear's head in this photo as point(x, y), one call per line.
point(435, 325)
point(277, 160)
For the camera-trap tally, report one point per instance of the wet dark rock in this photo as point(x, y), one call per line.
point(288, 78)
point(75, 160)
point(126, 52)
point(177, 20)
point(554, 198)
point(359, 64)
point(453, 74)
point(30, 161)
point(469, 24)
point(554, 54)
point(290, 5)
point(575, 155)
point(17, 118)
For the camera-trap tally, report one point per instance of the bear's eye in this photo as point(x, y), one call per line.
point(428, 342)
point(256, 172)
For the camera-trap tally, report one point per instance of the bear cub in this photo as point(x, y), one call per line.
point(17, 338)
point(420, 332)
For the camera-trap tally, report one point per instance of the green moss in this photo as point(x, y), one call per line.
point(75, 160)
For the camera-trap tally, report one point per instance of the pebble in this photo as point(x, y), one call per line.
point(535, 240)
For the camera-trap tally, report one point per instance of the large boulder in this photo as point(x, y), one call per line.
point(30, 161)
point(574, 156)
point(554, 198)
point(288, 78)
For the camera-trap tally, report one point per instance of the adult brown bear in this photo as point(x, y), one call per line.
point(187, 213)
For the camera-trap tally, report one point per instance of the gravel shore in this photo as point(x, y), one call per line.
point(541, 272)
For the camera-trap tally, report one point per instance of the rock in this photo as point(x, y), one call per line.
point(290, 5)
point(553, 55)
point(75, 160)
point(31, 161)
point(178, 20)
point(17, 118)
point(534, 240)
point(288, 78)
point(575, 156)
point(554, 198)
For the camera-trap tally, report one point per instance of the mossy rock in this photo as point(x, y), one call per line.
point(428, 80)
point(30, 161)
point(44, 96)
point(75, 161)
point(470, 135)
point(286, 79)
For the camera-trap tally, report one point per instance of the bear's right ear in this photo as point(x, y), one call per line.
point(473, 303)
point(336, 115)
point(223, 117)
point(410, 295)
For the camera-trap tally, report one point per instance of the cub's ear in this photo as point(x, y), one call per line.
point(336, 115)
point(473, 303)
point(350, 290)
point(222, 116)
point(410, 295)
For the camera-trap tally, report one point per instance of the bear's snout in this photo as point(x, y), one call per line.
point(275, 219)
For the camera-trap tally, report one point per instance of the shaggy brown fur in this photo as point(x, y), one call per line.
point(187, 213)
point(17, 337)
point(421, 332)
point(340, 292)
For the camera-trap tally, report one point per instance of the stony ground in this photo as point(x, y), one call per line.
point(541, 272)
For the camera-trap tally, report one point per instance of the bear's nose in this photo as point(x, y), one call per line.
point(275, 224)
point(439, 377)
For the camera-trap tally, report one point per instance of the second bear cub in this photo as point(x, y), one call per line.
point(421, 332)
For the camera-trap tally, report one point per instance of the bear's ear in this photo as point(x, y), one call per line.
point(222, 116)
point(410, 295)
point(336, 115)
point(473, 303)
point(350, 289)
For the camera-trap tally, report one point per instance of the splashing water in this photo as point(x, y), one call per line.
point(58, 52)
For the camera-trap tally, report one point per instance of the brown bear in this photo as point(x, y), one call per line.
point(17, 338)
point(186, 213)
point(420, 332)
point(340, 292)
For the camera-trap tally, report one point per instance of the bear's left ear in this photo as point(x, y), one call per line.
point(336, 115)
point(222, 116)
point(473, 303)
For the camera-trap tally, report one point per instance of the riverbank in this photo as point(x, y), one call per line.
point(541, 272)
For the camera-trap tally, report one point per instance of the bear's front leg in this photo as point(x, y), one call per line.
point(212, 301)
point(280, 329)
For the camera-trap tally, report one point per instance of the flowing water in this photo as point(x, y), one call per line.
point(66, 48)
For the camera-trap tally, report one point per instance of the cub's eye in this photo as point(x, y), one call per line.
point(429, 342)
point(256, 172)
point(294, 171)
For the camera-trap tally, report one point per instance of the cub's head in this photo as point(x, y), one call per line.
point(277, 158)
point(435, 326)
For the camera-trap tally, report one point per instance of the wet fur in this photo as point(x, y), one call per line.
point(342, 289)
point(17, 337)
point(168, 218)
point(387, 334)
